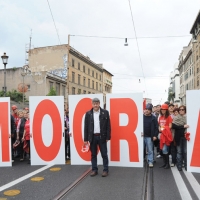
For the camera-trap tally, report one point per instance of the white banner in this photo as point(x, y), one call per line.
point(126, 114)
point(193, 120)
point(47, 129)
point(5, 133)
point(78, 106)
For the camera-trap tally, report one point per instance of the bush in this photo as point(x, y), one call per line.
point(14, 95)
point(52, 92)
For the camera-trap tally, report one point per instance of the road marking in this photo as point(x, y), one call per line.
point(11, 193)
point(185, 195)
point(37, 179)
point(8, 185)
point(55, 169)
point(193, 182)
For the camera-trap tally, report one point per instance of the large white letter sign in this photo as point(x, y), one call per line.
point(5, 141)
point(78, 106)
point(126, 115)
point(193, 120)
point(47, 129)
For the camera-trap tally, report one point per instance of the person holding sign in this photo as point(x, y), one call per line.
point(97, 133)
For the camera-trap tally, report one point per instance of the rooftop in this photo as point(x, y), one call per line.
point(197, 20)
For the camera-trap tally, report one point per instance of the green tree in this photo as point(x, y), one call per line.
point(52, 92)
point(14, 95)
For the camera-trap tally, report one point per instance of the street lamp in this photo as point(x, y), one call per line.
point(5, 61)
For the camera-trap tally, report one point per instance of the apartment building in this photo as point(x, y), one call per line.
point(195, 31)
point(186, 71)
point(38, 84)
point(84, 75)
point(175, 84)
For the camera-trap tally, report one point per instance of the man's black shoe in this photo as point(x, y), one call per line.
point(93, 173)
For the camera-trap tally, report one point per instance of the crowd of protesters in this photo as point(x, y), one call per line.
point(20, 134)
point(165, 128)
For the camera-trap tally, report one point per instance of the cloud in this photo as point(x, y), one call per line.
point(105, 18)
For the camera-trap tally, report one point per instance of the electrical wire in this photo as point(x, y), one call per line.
point(137, 76)
point(54, 21)
point(122, 38)
point(137, 45)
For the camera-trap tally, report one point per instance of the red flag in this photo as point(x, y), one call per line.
point(144, 104)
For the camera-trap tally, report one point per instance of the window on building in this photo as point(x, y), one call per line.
point(89, 92)
point(79, 66)
point(92, 73)
point(73, 77)
point(89, 71)
point(84, 81)
point(58, 88)
point(92, 84)
point(100, 87)
point(84, 68)
point(73, 63)
point(96, 75)
point(100, 77)
point(197, 70)
point(50, 85)
point(79, 91)
point(79, 79)
point(197, 82)
point(84, 91)
point(63, 90)
point(186, 76)
point(96, 85)
point(89, 83)
point(73, 90)
point(29, 87)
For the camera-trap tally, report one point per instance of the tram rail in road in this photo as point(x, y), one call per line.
point(147, 184)
point(65, 191)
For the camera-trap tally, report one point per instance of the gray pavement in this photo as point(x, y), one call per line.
point(19, 169)
point(164, 183)
point(122, 183)
point(52, 184)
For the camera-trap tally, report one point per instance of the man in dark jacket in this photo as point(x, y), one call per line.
point(13, 135)
point(150, 132)
point(97, 133)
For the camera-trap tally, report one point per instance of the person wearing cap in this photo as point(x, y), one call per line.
point(150, 127)
point(97, 132)
point(165, 124)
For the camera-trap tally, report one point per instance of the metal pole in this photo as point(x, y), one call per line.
point(4, 80)
point(68, 47)
point(23, 91)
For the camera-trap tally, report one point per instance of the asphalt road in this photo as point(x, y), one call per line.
point(122, 183)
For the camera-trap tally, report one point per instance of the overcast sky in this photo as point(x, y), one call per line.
point(110, 18)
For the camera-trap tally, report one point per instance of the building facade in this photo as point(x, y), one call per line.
point(83, 75)
point(186, 72)
point(195, 31)
point(175, 85)
point(38, 84)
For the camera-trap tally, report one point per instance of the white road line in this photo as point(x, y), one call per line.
point(193, 182)
point(185, 195)
point(8, 185)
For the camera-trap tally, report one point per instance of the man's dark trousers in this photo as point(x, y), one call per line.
point(103, 149)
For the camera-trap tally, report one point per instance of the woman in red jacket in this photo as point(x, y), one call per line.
point(165, 124)
point(26, 136)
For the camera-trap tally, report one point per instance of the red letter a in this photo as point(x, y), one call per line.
point(195, 161)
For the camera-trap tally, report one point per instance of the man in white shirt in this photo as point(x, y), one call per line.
point(97, 133)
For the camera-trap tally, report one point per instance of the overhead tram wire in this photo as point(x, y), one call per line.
point(54, 21)
point(122, 38)
point(137, 45)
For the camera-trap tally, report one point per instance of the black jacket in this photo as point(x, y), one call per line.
point(179, 133)
point(154, 127)
point(104, 120)
point(12, 124)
